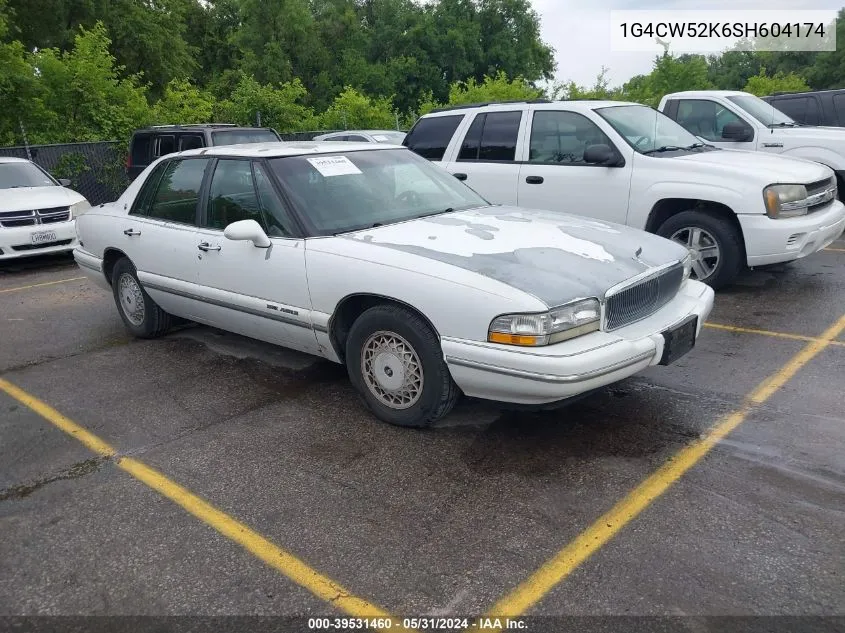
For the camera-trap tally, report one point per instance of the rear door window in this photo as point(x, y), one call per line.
point(191, 141)
point(140, 153)
point(178, 193)
point(165, 145)
point(430, 137)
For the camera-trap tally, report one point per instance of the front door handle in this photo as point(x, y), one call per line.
point(131, 232)
point(205, 246)
point(534, 180)
point(460, 176)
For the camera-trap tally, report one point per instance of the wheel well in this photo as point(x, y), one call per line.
point(665, 209)
point(110, 258)
point(351, 307)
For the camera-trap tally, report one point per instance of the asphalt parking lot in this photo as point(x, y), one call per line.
point(207, 474)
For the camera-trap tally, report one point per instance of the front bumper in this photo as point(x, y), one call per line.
point(769, 241)
point(547, 374)
point(17, 241)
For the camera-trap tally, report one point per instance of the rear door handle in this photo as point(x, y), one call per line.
point(205, 246)
point(131, 232)
point(534, 180)
point(460, 176)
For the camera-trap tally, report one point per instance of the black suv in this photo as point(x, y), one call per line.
point(821, 107)
point(153, 142)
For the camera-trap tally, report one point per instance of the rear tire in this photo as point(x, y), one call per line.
point(716, 244)
point(395, 362)
point(141, 315)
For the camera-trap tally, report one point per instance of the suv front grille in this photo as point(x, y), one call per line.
point(643, 298)
point(819, 187)
point(10, 219)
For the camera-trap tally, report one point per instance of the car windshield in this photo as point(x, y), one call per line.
point(762, 111)
point(393, 138)
point(349, 191)
point(646, 129)
point(13, 175)
point(239, 137)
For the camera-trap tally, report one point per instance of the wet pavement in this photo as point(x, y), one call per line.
point(438, 522)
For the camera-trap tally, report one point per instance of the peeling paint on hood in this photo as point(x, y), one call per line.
point(554, 256)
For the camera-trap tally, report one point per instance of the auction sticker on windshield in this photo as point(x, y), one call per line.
point(42, 237)
point(334, 166)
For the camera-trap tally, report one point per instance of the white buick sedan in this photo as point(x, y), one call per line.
point(373, 257)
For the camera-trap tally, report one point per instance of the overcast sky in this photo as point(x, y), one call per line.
point(580, 32)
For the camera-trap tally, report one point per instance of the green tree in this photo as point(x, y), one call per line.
point(84, 95)
point(763, 84)
point(496, 88)
point(600, 90)
point(279, 106)
point(353, 110)
point(183, 102)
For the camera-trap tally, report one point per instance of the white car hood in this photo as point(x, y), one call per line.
point(28, 198)
point(821, 135)
point(772, 168)
point(555, 257)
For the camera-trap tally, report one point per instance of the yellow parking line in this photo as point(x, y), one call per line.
point(554, 571)
point(748, 330)
point(286, 563)
point(46, 283)
point(835, 250)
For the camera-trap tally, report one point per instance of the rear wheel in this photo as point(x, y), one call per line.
point(395, 362)
point(141, 315)
point(714, 242)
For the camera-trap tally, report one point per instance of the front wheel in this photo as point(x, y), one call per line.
point(714, 243)
point(141, 315)
point(395, 362)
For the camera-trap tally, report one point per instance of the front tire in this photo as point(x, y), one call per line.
point(715, 243)
point(395, 362)
point(141, 315)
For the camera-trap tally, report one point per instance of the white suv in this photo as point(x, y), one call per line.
point(630, 164)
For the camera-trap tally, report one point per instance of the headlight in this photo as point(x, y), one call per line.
point(79, 208)
point(559, 324)
point(785, 201)
point(687, 262)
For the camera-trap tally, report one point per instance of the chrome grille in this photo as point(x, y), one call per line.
point(643, 298)
point(33, 217)
point(820, 187)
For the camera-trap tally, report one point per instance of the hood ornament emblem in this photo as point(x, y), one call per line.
point(637, 254)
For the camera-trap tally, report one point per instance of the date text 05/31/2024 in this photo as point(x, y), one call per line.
point(417, 624)
point(716, 30)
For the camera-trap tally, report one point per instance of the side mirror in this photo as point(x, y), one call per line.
point(64, 182)
point(737, 131)
point(247, 230)
point(601, 155)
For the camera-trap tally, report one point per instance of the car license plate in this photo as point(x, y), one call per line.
point(679, 340)
point(43, 237)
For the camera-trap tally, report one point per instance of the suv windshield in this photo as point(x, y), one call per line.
point(14, 175)
point(238, 137)
point(647, 130)
point(762, 111)
point(349, 191)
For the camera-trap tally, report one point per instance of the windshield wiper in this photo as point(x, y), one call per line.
point(664, 148)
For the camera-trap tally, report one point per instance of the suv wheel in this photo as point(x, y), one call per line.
point(714, 242)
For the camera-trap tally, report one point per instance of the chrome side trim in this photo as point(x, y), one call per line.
point(550, 378)
point(533, 351)
point(225, 304)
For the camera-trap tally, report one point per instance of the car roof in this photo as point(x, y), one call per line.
point(12, 159)
point(707, 93)
point(194, 127)
point(273, 150)
point(363, 132)
point(576, 105)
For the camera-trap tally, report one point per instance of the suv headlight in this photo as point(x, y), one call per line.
point(785, 201)
point(78, 208)
point(545, 328)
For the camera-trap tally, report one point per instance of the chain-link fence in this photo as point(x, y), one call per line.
point(96, 170)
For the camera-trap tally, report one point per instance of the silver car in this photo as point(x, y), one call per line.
point(392, 137)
